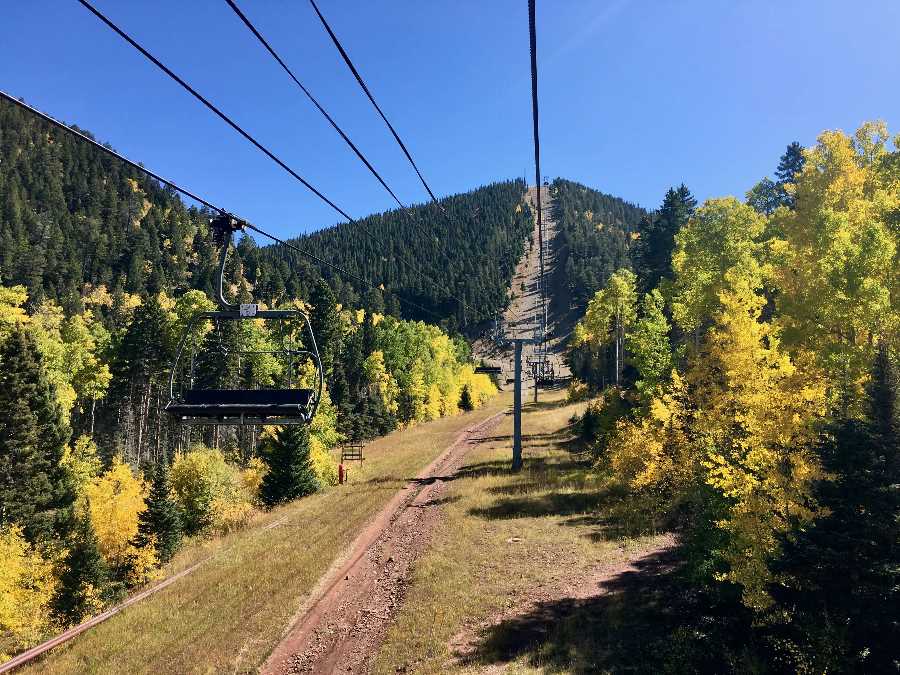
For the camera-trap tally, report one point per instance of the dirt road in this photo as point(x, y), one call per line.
point(341, 627)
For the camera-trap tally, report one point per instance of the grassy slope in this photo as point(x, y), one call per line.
point(229, 614)
point(476, 569)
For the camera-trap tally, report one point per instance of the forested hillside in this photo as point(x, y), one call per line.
point(426, 254)
point(72, 218)
point(595, 233)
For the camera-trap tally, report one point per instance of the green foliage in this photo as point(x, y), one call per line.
point(597, 424)
point(35, 488)
point(648, 346)
point(71, 216)
point(721, 238)
point(326, 324)
point(789, 167)
point(839, 577)
point(609, 316)
point(159, 524)
point(771, 443)
point(768, 195)
point(652, 252)
point(291, 474)
point(449, 242)
point(465, 399)
point(84, 578)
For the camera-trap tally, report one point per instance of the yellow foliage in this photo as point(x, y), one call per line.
point(11, 313)
point(230, 514)
point(481, 388)
point(754, 423)
point(27, 587)
point(323, 463)
point(142, 564)
point(719, 239)
point(96, 295)
point(655, 452)
point(433, 402)
point(114, 501)
point(577, 391)
point(253, 474)
point(836, 253)
point(213, 495)
point(82, 462)
point(382, 380)
point(46, 325)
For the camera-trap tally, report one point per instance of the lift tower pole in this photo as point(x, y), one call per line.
point(517, 401)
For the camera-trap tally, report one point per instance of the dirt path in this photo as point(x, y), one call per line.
point(340, 629)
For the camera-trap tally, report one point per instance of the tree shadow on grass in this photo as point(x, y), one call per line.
point(497, 467)
point(643, 620)
point(531, 406)
point(563, 433)
point(537, 506)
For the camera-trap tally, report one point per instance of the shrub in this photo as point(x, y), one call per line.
point(211, 494)
point(323, 463)
point(27, 586)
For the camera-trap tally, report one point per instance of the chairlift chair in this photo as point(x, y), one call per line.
point(196, 400)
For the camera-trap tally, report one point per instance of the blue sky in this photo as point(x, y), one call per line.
point(635, 96)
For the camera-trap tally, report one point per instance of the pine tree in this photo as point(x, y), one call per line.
point(291, 474)
point(160, 522)
point(653, 252)
point(83, 581)
point(768, 195)
point(790, 164)
point(465, 399)
point(841, 575)
point(35, 488)
point(325, 323)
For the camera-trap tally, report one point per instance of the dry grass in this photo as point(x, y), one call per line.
point(228, 615)
point(508, 538)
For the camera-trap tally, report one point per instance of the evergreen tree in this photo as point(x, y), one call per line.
point(790, 164)
point(841, 575)
point(653, 251)
point(35, 489)
point(83, 581)
point(160, 522)
point(768, 195)
point(765, 196)
point(291, 474)
point(326, 324)
point(465, 399)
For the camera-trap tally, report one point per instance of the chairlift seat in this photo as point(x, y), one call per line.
point(217, 403)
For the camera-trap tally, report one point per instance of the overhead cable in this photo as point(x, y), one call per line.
point(265, 43)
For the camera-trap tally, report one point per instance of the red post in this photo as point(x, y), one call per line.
point(340, 474)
